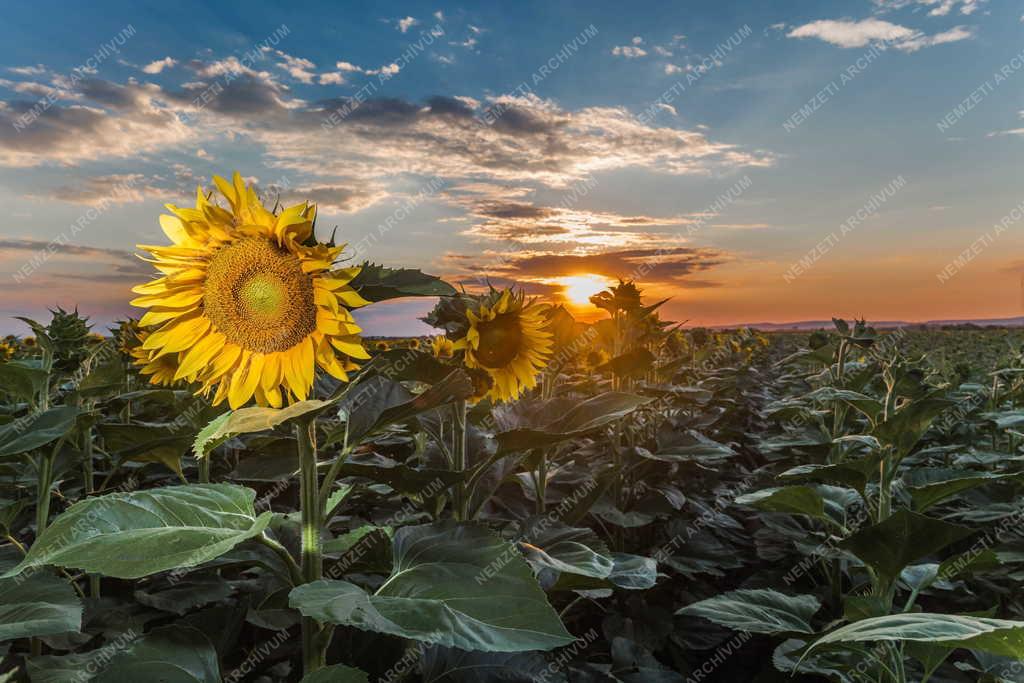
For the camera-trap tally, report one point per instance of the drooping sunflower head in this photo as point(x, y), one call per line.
point(507, 338)
point(249, 304)
point(442, 347)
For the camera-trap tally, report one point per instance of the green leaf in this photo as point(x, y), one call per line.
point(250, 420)
point(377, 283)
point(758, 611)
point(452, 584)
point(171, 654)
point(584, 417)
point(339, 673)
point(904, 537)
point(128, 535)
point(22, 379)
point(903, 430)
point(931, 485)
point(852, 473)
point(38, 605)
point(995, 636)
point(161, 443)
point(36, 430)
point(802, 500)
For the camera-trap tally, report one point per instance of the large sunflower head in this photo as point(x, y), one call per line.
point(248, 303)
point(6, 351)
point(506, 338)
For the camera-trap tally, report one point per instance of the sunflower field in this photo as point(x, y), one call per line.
point(236, 485)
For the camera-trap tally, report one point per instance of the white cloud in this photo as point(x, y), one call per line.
point(628, 51)
point(953, 35)
point(37, 70)
point(847, 33)
point(664, 52)
point(939, 8)
point(671, 69)
point(332, 78)
point(407, 23)
point(637, 40)
point(347, 66)
point(297, 67)
point(159, 65)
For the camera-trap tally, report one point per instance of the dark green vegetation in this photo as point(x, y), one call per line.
point(669, 506)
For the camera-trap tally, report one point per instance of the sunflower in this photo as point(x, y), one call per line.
point(29, 342)
point(6, 351)
point(161, 369)
point(414, 343)
point(506, 338)
point(382, 346)
point(442, 347)
point(248, 301)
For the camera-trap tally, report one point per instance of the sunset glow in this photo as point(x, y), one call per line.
point(579, 288)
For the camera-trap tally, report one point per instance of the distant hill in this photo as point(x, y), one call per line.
point(880, 324)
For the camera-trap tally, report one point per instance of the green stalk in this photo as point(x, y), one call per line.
point(45, 481)
point(204, 469)
point(313, 648)
point(89, 478)
point(542, 482)
point(461, 498)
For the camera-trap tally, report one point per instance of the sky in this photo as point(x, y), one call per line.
point(754, 162)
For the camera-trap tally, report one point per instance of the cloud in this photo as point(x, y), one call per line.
point(113, 121)
point(653, 265)
point(297, 67)
point(332, 78)
point(846, 33)
point(407, 23)
point(123, 188)
point(939, 8)
point(629, 51)
point(159, 65)
point(335, 198)
point(37, 70)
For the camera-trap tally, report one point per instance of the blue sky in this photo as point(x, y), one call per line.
point(554, 145)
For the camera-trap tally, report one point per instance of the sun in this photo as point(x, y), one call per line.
point(579, 288)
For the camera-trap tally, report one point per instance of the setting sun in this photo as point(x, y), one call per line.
point(579, 288)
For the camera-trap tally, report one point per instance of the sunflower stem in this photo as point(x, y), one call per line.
point(542, 482)
point(313, 648)
point(89, 479)
point(204, 469)
point(461, 498)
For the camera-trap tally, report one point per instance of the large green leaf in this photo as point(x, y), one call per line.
point(758, 611)
point(128, 535)
point(584, 417)
point(930, 485)
point(903, 430)
point(904, 537)
point(452, 584)
point(37, 605)
point(802, 500)
point(22, 379)
point(377, 283)
point(250, 420)
point(171, 654)
point(852, 473)
point(996, 636)
point(36, 430)
point(339, 673)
